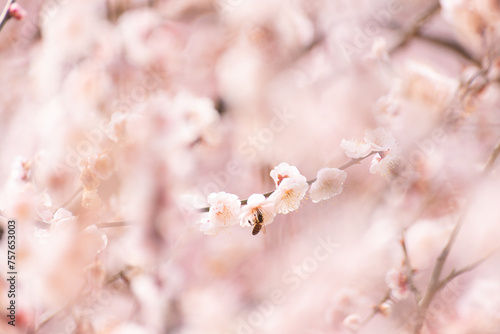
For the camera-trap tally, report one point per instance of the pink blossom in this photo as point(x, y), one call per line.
point(224, 211)
point(355, 149)
point(257, 203)
point(383, 162)
point(329, 183)
point(398, 283)
point(283, 170)
point(379, 139)
point(289, 194)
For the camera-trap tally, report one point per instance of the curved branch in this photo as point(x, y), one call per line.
point(344, 166)
point(415, 27)
point(454, 273)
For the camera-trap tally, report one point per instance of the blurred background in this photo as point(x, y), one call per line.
point(119, 117)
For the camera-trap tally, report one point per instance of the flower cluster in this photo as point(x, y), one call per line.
point(291, 186)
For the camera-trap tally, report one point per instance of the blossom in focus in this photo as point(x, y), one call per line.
point(224, 211)
point(328, 183)
point(355, 149)
point(283, 170)
point(289, 193)
point(384, 161)
point(398, 283)
point(257, 202)
point(379, 139)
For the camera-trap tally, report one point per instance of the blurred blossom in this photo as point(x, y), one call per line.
point(90, 198)
point(101, 165)
point(22, 169)
point(379, 139)
point(398, 283)
point(88, 178)
point(62, 217)
point(383, 162)
point(329, 183)
point(355, 149)
point(386, 308)
point(112, 110)
point(116, 128)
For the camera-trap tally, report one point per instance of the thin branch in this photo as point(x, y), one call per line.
point(5, 16)
point(455, 273)
point(493, 157)
point(123, 223)
point(450, 45)
point(69, 200)
point(409, 270)
point(344, 166)
point(47, 316)
point(376, 308)
point(434, 283)
point(415, 27)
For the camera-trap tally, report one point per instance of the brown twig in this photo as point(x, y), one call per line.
point(455, 273)
point(123, 223)
point(493, 157)
point(344, 166)
point(450, 45)
point(376, 308)
point(5, 16)
point(434, 283)
point(69, 200)
point(415, 27)
point(49, 315)
point(409, 270)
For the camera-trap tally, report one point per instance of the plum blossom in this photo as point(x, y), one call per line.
point(379, 139)
point(224, 211)
point(328, 184)
point(384, 161)
point(282, 171)
point(289, 193)
point(398, 283)
point(355, 149)
point(257, 202)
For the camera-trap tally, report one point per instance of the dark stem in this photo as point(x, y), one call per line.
point(5, 16)
point(415, 27)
